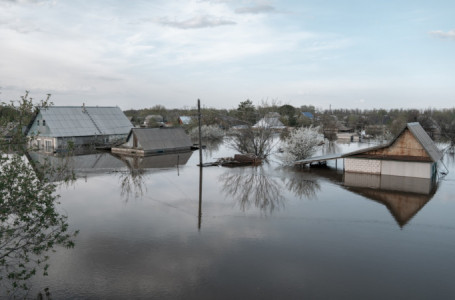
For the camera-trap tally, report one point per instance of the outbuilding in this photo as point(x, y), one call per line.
point(411, 154)
point(148, 141)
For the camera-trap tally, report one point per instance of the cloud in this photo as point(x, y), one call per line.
point(258, 9)
point(197, 22)
point(444, 35)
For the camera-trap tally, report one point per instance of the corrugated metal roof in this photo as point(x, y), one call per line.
point(318, 159)
point(162, 138)
point(425, 140)
point(67, 121)
point(421, 136)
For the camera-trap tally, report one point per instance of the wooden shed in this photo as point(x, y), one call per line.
point(148, 141)
point(412, 154)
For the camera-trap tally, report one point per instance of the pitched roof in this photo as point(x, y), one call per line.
point(420, 135)
point(425, 140)
point(269, 123)
point(66, 121)
point(307, 114)
point(162, 138)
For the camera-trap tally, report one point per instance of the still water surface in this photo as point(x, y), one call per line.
point(263, 233)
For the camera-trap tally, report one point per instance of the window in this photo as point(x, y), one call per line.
point(48, 146)
point(44, 122)
point(37, 122)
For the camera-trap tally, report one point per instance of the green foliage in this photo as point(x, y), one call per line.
point(247, 112)
point(30, 224)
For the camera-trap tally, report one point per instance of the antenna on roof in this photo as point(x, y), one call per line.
point(83, 107)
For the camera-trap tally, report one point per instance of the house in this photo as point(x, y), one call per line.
point(272, 123)
point(147, 141)
point(412, 154)
point(307, 114)
point(154, 121)
point(184, 120)
point(53, 128)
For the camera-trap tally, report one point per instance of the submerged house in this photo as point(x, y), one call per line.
point(148, 141)
point(412, 153)
point(272, 123)
point(54, 127)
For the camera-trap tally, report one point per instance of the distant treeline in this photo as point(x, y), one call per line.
point(439, 122)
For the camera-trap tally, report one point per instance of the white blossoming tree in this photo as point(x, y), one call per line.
point(300, 144)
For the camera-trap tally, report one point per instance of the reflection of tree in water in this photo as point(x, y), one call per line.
point(211, 147)
point(250, 186)
point(302, 188)
point(132, 180)
point(331, 147)
point(30, 225)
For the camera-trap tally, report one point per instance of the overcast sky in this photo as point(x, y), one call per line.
point(136, 54)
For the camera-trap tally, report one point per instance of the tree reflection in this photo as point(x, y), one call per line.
point(303, 188)
point(252, 187)
point(30, 225)
point(132, 181)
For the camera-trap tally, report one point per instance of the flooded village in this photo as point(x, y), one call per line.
point(140, 215)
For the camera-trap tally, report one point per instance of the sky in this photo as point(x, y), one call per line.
point(141, 53)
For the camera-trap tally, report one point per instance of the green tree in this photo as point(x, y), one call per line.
point(246, 111)
point(30, 224)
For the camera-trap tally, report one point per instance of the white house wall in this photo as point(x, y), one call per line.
point(359, 165)
point(388, 167)
point(408, 169)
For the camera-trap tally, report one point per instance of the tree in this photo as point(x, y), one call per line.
point(246, 111)
point(257, 141)
point(300, 144)
point(30, 224)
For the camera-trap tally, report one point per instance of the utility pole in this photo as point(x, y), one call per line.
point(200, 165)
point(200, 134)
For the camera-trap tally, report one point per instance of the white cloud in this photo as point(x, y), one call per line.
point(444, 35)
point(257, 9)
point(197, 22)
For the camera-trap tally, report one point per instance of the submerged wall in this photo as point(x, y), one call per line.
point(389, 167)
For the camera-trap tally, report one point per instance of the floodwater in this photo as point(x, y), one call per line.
point(268, 232)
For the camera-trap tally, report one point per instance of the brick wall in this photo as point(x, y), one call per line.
point(370, 166)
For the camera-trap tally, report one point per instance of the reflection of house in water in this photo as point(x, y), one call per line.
point(80, 165)
point(403, 196)
point(156, 161)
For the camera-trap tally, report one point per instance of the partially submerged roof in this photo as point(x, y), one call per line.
point(416, 130)
point(68, 121)
point(269, 123)
point(419, 134)
point(162, 138)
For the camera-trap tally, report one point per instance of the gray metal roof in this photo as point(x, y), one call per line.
point(162, 138)
point(67, 121)
point(421, 136)
point(425, 140)
point(318, 159)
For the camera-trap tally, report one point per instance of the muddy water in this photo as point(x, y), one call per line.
point(258, 233)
